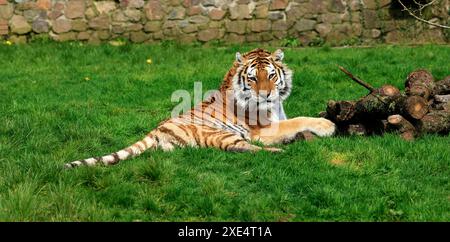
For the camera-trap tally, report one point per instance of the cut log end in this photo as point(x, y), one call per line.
point(395, 119)
point(416, 107)
point(389, 90)
point(406, 129)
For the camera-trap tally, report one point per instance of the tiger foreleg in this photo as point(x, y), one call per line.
point(288, 130)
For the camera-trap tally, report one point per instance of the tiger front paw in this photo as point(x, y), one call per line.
point(323, 127)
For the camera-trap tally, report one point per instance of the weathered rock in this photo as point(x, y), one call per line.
point(323, 29)
point(304, 25)
point(240, 11)
point(190, 28)
point(279, 34)
point(317, 6)
point(234, 38)
point(119, 16)
point(3, 2)
point(101, 22)
point(136, 3)
point(133, 14)
point(66, 36)
point(431, 36)
point(25, 5)
point(371, 19)
point(331, 18)
point(105, 7)
point(194, 10)
point(158, 35)
point(336, 37)
point(40, 26)
point(276, 15)
point(4, 27)
point(216, 14)
point(18, 39)
point(54, 14)
point(278, 4)
point(209, 3)
point(238, 27)
point(133, 27)
point(117, 29)
point(372, 4)
point(154, 10)
point(337, 6)
point(138, 37)
point(355, 5)
point(306, 38)
point(375, 33)
point(198, 19)
point(75, 9)
point(152, 26)
point(90, 13)
point(215, 24)
point(296, 12)
point(190, 3)
point(44, 4)
point(262, 11)
point(33, 14)
point(254, 37)
point(173, 3)
point(79, 25)
point(188, 38)
point(266, 36)
point(59, 6)
point(19, 25)
point(62, 25)
point(208, 34)
point(280, 25)
point(83, 36)
point(177, 13)
point(259, 25)
point(6, 11)
point(103, 34)
point(94, 39)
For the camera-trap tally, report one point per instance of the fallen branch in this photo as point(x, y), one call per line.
point(359, 81)
point(421, 19)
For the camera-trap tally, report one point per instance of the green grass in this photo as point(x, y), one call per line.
point(50, 114)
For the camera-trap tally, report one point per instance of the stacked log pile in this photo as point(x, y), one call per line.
point(423, 107)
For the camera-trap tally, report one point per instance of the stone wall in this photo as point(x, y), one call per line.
point(286, 21)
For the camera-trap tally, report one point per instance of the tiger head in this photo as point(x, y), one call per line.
point(261, 79)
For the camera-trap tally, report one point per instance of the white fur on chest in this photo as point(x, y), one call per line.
point(277, 112)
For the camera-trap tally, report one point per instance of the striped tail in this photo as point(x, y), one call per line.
point(134, 150)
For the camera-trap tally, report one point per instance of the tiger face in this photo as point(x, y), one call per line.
point(261, 80)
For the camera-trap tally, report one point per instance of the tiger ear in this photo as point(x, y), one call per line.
point(239, 58)
point(278, 55)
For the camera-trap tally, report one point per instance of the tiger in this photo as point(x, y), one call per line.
point(245, 114)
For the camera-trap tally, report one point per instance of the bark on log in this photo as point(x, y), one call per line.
point(406, 129)
point(377, 106)
point(420, 83)
point(356, 129)
point(441, 106)
point(442, 87)
point(442, 98)
point(437, 121)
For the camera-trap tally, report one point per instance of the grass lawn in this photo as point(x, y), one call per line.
point(62, 102)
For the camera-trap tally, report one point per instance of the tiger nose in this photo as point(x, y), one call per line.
point(264, 94)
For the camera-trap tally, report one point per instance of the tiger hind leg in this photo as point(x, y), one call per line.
point(228, 141)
